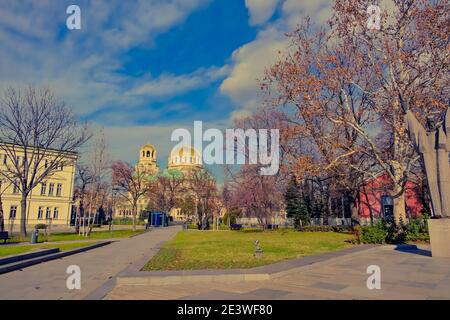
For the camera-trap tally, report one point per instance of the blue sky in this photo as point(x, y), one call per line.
point(139, 69)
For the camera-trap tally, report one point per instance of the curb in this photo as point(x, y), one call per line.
point(58, 255)
point(263, 273)
point(26, 256)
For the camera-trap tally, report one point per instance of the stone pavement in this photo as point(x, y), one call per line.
point(98, 269)
point(405, 274)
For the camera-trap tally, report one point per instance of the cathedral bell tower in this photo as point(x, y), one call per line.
point(147, 159)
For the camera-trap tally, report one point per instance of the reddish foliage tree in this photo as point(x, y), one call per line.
point(341, 88)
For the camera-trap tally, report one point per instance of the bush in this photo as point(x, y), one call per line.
point(192, 226)
point(127, 221)
point(40, 226)
point(417, 229)
point(324, 228)
point(376, 234)
point(387, 231)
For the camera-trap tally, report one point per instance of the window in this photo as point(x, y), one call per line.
point(55, 213)
point(46, 164)
point(62, 167)
point(12, 212)
point(40, 213)
point(59, 190)
point(15, 188)
point(5, 159)
point(387, 206)
point(51, 187)
point(48, 213)
point(43, 188)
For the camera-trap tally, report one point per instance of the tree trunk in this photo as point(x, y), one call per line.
point(354, 205)
point(23, 216)
point(134, 216)
point(2, 216)
point(369, 205)
point(399, 208)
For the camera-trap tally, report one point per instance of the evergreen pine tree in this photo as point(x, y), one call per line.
point(296, 207)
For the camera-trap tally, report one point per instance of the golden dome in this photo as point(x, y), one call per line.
point(148, 146)
point(184, 156)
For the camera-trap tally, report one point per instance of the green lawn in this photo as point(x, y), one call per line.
point(13, 250)
point(193, 250)
point(95, 235)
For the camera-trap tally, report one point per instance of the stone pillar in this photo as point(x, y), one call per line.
point(439, 237)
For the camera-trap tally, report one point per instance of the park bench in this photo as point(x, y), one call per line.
point(272, 226)
point(4, 236)
point(236, 227)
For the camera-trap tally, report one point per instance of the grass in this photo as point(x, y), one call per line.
point(14, 250)
point(95, 235)
point(194, 250)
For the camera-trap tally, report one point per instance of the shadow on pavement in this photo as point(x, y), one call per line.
point(412, 248)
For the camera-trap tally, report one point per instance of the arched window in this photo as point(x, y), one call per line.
point(143, 153)
point(148, 154)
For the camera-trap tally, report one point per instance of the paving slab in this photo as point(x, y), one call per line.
point(98, 267)
point(405, 274)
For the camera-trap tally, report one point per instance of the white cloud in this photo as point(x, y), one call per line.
point(169, 84)
point(251, 60)
point(260, 10)
point(249, 63)
point(84, 66)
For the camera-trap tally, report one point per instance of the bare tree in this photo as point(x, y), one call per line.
point(99, 165)
point(38, 135)
point(82, 182)
point(165, 189)
point(341, 87)
point(132, 184)
point(2, 214)
point(203, 186)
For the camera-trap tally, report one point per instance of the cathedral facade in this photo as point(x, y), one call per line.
point(184, 159)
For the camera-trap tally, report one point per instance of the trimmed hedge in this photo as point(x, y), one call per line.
point(325, 228)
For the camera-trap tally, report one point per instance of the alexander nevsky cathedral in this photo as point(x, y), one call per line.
point(183, 159)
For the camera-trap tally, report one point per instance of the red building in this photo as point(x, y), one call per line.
point(375, 197)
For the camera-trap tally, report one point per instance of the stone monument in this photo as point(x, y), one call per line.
point(258, 251)
point(433, 143)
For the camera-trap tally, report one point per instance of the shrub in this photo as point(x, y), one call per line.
point(323, 228)
point(417, 229)
point(40, 226)
point(387, 231)
point(375, 234)
point(127, 221)
point(192, 226)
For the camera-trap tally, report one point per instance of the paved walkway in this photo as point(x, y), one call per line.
point(98, 269)
point(404, 275)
